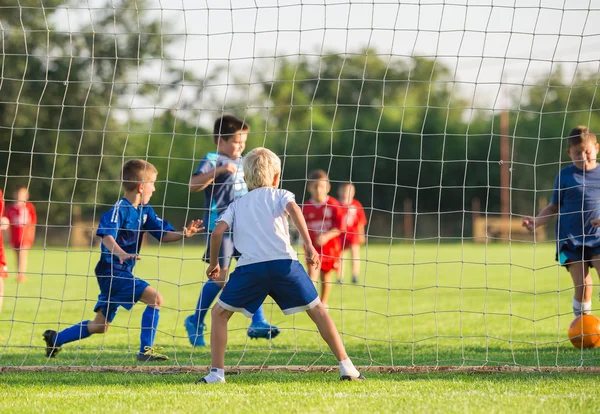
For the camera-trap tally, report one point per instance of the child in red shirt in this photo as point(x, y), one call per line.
point(3, 269)
point(23, 219)
point(355, 221)
point(323, 217)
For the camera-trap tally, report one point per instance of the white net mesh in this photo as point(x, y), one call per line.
point(449, 119)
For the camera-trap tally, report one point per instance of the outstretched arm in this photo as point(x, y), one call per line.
point(199, 182)
point(194, 227)
point(312, 257)
point(542, 218)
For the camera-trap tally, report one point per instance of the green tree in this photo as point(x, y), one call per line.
point(61, 91)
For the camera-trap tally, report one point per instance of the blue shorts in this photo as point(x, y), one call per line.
point(118, 290)
point(226, 253)
point(578, 254)
point(285, 281)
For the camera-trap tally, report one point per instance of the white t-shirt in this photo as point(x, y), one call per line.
point(261, 231)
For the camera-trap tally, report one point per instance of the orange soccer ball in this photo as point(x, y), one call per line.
point(584, 331)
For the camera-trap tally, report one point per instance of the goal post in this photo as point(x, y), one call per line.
point(448, 119)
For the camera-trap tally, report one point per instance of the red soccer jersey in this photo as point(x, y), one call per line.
point(320, 218)
point(354, 217)
point(3, 273)
point(22, 224)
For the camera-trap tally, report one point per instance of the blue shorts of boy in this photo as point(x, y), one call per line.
point(226, 253)
point(569, 255)
point(120, 289)
point(285, 281)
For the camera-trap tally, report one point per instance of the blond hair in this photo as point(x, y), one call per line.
point(135, 172)
point(260, 167)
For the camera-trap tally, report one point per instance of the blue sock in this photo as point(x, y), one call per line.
point(259, 316)
point(210, 291)
point(73, 333)
point(150, 319)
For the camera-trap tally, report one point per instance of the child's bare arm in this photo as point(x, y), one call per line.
point(199, 182)
point(542, 217)
point(111, 244)
point(216, 238)
point(194, 227)
point(323, 238)
point(312, 257)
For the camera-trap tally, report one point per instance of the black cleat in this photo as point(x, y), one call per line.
point(349, 378)
point(150, 354)
point(50, 337)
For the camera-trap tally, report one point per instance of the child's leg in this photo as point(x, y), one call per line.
point(340, 276)
point(218, 344)
point(582, 281)
point(325, 286)
point(150, 318)
point(21, 264)
point(218, 335)
point(1, 292)
point(331, 336)
point(82, 330)
point(355, 254)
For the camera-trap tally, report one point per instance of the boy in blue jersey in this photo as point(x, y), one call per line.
point(268, 264)
point(575, 198)
point(121, 229)
point(221, 176)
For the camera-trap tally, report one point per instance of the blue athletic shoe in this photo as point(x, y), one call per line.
point(195, 332)
point(262, 330)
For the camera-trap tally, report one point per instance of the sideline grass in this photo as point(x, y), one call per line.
point(299, 393)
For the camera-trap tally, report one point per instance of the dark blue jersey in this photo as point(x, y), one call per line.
point(224, 189)
point(127, 224)
point(577, 195)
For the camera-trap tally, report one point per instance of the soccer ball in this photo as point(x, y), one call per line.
point(584, 331)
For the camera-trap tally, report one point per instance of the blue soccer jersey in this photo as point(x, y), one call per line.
point(224, 189)
point(127, 224)
point(577, 195)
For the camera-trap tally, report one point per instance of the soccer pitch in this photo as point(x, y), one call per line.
point(422, 305)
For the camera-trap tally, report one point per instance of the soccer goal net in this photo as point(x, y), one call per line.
point(448, 119)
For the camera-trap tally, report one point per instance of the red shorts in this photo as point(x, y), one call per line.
point(21, 243)
point(329, 263)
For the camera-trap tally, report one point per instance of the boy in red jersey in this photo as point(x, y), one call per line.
point(3, 269)
point(23, 219)
point(355, 221)
point(323, 216)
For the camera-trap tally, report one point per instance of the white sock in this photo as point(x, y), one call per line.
point(586, 307)
point(347, 368)
point(576, 307)
point(215, 375)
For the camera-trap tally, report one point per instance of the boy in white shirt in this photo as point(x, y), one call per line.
point(268, 264)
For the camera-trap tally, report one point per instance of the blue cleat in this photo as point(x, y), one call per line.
point(262, 330)
point(195, 332)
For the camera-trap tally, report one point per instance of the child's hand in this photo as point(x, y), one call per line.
point(312, 257)
point(194, 227)
point(596, 223)
point(126, 256)
point(213, 271)
point(230, 168)
point(529, 223)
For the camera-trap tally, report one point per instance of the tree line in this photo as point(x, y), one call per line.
point(399, 128)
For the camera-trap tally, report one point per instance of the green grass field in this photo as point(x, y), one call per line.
point(417, 305)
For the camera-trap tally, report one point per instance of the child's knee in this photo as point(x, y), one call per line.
point(220, 313)
point(158, 301)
